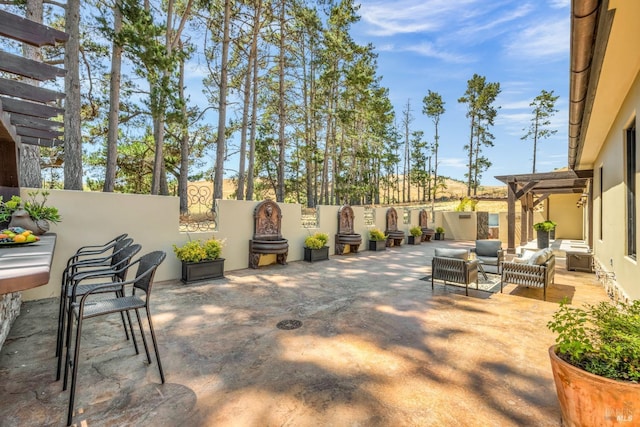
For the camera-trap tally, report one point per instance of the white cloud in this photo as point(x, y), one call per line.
point(494, 24)
point(559, 4)
point(411, 16)
point(516, 105)
point(543, 40)
point(428, 49)
point(452, 162)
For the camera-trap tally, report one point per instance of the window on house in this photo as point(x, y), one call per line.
point(631, 189)
point(601, 207)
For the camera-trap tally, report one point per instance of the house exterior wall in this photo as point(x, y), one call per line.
point(562, 210)
point(610, 227)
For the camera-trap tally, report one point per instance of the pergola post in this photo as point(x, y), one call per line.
point(523, 221)
point(530, 217)
point(511, 216)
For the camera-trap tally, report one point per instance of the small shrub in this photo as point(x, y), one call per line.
point(415, 231)
point(312, 242)
point(466, 204)
point(602, 339)
point(376, 234)
point(316, 241)
point(544, 226)
point(198, 250)
point(439, 230)
point(323, 237)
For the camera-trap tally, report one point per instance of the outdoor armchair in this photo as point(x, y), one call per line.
point(453, 265)
point(538, 271)
point(489, 252)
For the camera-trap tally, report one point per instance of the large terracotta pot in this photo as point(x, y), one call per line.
point(588, 400)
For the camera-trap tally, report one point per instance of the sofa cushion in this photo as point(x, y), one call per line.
point(488, 247)
point(452, 253)
point(540, 257)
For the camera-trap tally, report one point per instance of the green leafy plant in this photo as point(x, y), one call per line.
point(376, 234)
point(415, 231)
point(316, 241)
point(466, 204)
point(199, 250)
point(9, 207)
point(35, 206)
point(603, 339)
point(544, 226)
point(439, 230)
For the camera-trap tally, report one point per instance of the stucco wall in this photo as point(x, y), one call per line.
point(152, 221)
point(610, 250)
point(562, 209)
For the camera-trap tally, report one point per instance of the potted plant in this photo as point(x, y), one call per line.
point(552, 232)
point(32, 214)
point(415, 235)
point(596, 363)
point(377, 240)
point(315, 247)
point(542, 233)
point(439, 233)
point(200, 260)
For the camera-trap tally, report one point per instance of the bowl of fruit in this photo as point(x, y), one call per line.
point(14, 236)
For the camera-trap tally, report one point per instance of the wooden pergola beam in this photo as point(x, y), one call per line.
point(30, 32)
point(527, 187)
point(30, 108)
point(541, 199)
point(43, 142)
point(24, 67)
point(18, 119)
point(26, 91)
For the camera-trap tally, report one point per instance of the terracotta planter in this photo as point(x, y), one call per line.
point(203, 270)
point(313, 255)
point(588, 400)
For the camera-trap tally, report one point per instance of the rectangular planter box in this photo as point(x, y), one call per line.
point(414, 240)
point(377, 245)
point(579, 261)
point(313, 255)
point(204, 270)
point(438, 236)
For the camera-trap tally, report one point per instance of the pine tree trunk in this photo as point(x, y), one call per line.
point(183, 178)
point(218, 179)
point(30, 174)
point(281, 108)
point(114, 103)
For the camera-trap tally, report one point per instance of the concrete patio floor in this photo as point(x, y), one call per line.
point(377, 347)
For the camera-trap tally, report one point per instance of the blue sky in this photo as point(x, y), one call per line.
point(439, 44)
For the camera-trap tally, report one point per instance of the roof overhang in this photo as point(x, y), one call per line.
point(604, 65)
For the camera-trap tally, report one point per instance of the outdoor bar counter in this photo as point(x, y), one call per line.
point(26, 266)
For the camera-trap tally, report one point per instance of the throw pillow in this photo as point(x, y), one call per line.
point(452, 253)
point(540, 257)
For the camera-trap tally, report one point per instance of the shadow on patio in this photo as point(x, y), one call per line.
point(377, 347)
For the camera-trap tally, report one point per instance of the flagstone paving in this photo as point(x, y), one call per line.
point(377, 347)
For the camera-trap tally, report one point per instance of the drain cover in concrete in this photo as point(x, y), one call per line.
point(289, 324)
